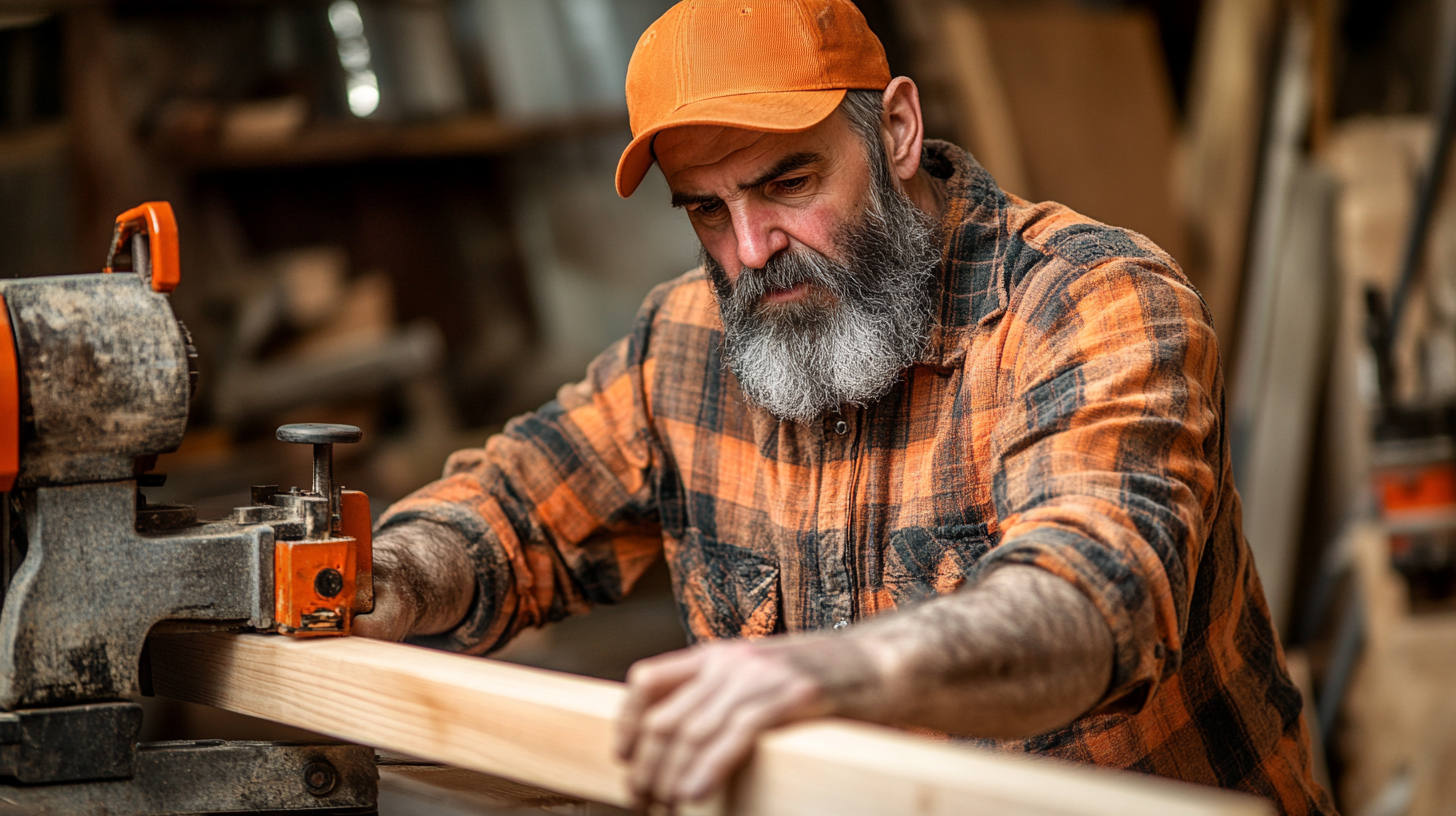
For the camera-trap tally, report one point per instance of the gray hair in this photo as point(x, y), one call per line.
point(864, 109)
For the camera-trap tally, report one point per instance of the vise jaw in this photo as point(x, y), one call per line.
point(96, 374)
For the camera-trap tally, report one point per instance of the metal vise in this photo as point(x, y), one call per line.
point(95, 378)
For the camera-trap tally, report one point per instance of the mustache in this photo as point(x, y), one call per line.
point(783, 271)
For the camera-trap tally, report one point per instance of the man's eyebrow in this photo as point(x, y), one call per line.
point(689, 199)
point(788, 164)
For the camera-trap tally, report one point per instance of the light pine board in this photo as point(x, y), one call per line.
point(555, 730)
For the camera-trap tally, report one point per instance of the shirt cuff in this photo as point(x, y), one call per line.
point(1123, 596)
point(484, 627)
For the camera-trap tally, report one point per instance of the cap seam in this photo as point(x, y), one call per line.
point(684, 68)
point(817, 43)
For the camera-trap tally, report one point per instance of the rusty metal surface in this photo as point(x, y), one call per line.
point(90, 586)
point(213, 776)
point(104, 374)
point(97, 741)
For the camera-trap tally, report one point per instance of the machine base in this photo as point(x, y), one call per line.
point(213, 776)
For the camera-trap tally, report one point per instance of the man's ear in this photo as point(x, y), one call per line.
point(902, 127)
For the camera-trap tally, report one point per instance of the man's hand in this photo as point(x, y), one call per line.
point(394, 612)
point(692, 716)
point(423, 582)
point(1019, 654)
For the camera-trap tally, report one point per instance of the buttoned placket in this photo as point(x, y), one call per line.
point(840, 434)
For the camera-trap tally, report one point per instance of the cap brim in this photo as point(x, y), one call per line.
point(777, 112)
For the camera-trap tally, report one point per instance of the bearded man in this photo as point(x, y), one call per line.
point(916, 451)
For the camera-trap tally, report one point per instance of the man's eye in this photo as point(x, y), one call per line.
point(710, 207)
point(793, 183)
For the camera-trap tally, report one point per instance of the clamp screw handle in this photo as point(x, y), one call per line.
point(319, 433)
point(323, 437)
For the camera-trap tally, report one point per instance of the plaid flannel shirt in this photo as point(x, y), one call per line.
point(1068, 414)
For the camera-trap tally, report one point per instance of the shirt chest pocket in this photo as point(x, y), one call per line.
point(725, 591)
point(924, 561)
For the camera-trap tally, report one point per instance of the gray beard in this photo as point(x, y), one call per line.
point(863, 322)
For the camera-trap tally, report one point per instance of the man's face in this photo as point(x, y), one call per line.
point(752, 195)
point(822, 268)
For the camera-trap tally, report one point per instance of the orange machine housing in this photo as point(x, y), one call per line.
point(9, 403)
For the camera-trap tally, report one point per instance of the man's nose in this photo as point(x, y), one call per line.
point(759, 236)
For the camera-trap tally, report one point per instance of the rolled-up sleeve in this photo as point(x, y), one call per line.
point(557, 510)
point(1105, 465)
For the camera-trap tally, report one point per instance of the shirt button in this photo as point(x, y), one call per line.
point(841, 623)
point(841, 427)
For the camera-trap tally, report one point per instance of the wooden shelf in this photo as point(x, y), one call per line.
point(366, 141)
point(20, 146)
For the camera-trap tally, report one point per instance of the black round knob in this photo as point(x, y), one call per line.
point(319, 433)
point(328, 583)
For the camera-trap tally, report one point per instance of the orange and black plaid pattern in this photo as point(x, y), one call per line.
point(1068, 414)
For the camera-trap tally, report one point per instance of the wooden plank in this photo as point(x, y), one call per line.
point(554, 731)
point(1275, 408)
point(836, 767)
point(542, 728)
point(985, 120)
point(1091, 106)
point(1220, 151)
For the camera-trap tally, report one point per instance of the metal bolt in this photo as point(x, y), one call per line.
point(328, 582)
point(841, 427)
point(320, 777)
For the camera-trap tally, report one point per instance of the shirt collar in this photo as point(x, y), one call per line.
point(972, 288)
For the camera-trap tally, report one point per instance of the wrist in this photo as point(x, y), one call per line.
point(848, 674)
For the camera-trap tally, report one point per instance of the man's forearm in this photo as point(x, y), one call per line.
point(1018, 654)
point(423, 581)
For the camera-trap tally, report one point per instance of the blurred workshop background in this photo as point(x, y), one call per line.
point(399, 214)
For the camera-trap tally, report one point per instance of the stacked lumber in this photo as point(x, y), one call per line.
point(1219, 154)
point(1398, 736)
point(554, 731)
point(1064, 104)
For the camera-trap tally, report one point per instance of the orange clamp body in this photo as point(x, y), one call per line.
point(320, 585)
point(358, 525)
point(156, 219)
point(313, 584)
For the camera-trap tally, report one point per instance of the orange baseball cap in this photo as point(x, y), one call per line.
point(772, 65)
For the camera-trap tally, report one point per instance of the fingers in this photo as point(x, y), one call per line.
point(669, 733)
point(379, 625)
point(695, 717)
point(720, 733)
point(716, 761)
point(648, 681)
point(391, 619)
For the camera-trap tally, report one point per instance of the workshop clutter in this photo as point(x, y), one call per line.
point(314, 65)
point(399, 215)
